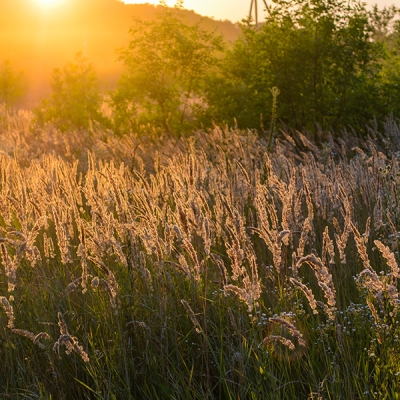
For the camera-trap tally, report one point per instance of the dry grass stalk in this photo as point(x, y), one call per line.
point(394, 235)
point(307, 292)
point(69, 342)
point(390, 258)
point(10, 268)
point(308, 228)
point(374, 312)
point(324, 278)
point(232, 319)
point(328, 248)
point(342, 237)
point(192, 316)
point(277, 338)
point(289, 334)
point(110, 284)
point(221, 268)
point(9, 311)
point(81, 252)
point(268, 231)
point(206, 236)
point(286, 324)
point(35, 338)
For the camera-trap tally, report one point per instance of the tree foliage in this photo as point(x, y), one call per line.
point(75, 99)
point(166, 61)
point(319, 53)
point(12, 86)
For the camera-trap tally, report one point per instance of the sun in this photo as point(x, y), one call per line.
point(48, 3)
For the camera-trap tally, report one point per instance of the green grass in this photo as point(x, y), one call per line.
point(183, 224)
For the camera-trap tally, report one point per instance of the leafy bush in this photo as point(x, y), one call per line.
point(75, 99)
point(12, 85)
point(319, 54)
point(167, 61)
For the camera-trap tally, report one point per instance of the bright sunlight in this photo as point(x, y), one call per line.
point(48, 3)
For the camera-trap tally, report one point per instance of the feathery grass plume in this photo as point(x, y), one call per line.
point(281, 237)
point(297, 209)
point(10, 268)
point(341, 238)
point(394, 234)
point(193, 255)
point(62, 234)
point(168, 238)
point(362, 250)
point(307, 229)
point(329, 311)
point(232, 319)
point(35, 338)
point(81, 252)
point(31, 252)
point(324, 278)
point(268, 231)
point(110, 284)
point(376, 285)
point(290, 327)
point(221, 267)
point(288, 221)
point(367, 229)
point(328, 248)
point(48, 247)
point(184, 222)
point(307, 292)
point(284, 340)
point(295, 270)
point(277, 338)
point(244, 172)
point(192, 316)
point(69, 342)
point(9, 311)
point(374, 312)
point(390, 258)
point(251, 291)
point(206, 234)
point(235, 252)
point(184, 267)
point(73, 285)
point(146, 275)
point(310, 206)
point(251, 281)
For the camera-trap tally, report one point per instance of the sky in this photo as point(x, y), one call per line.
point(233, 10)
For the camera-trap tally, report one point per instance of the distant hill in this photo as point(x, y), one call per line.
point(37, 40)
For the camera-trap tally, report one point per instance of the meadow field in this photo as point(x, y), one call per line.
point(202, 267)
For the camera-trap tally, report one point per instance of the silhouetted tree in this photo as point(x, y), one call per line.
point(75, 99)
point(166, 60)
point(12, 86)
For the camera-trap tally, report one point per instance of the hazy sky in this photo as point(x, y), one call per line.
point(234, 10)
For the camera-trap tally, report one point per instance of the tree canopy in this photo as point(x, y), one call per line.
point(166, 61)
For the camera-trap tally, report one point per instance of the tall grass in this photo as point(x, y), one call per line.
point(197, 268)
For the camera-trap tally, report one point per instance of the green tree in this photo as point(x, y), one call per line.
point(386, 31)
point(75, 100)
point(12, 86)
point(319, 54)
point(166, 61)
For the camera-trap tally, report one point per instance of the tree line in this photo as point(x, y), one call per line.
point(315, 65)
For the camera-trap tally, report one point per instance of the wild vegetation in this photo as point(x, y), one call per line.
point(198, 268)
point(335, 63)
point(179, 238)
